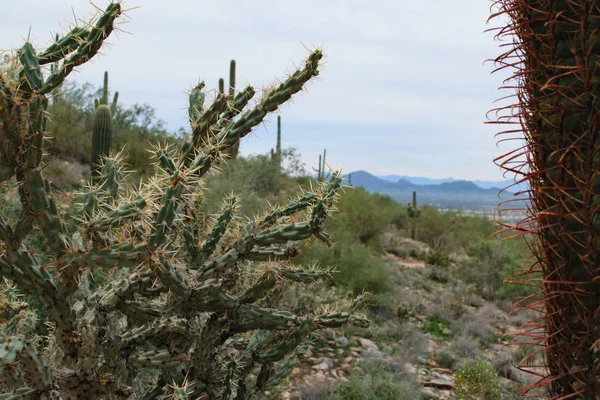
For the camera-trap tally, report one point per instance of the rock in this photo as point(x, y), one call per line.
point(321, 367)
point(342, 340)
point(439, 384)
point(320, 376)
point(367, 344)
point(373, 353)
point(348, 360)
point(436, 374)
point(356, 349)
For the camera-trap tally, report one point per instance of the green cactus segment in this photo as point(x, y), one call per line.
point(87, 48)
point(295, 206)
point(102, 134)
point(172, 279)
point(232, 78)
point(272, 100)
point(113, 104)
point(220, 227)
point(200, 131)
point(124, 214)
point(221, 86)
point(196, 104)
point(62, 47)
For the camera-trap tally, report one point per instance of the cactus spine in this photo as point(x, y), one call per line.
point(413, 213)
point(185, 310)
point(555, 55)
point(102, 129)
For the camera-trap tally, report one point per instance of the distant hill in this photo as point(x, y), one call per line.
point(448, 193)
point(419, 180)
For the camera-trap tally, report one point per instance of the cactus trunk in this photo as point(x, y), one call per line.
point(556, 53)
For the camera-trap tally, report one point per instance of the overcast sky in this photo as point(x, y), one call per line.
point(403, 90)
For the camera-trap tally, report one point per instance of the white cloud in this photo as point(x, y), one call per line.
point(391, 66)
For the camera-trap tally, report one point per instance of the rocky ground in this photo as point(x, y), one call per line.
point(405, 338)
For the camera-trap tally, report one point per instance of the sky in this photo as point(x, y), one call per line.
point(404, 88)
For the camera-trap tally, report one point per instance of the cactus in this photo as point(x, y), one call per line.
point(276, 154)
point(221, 86)
point(139, 286)
point(350, 179)
point(232, 78)
point(321, 171)
point(413, 213)
point(554, 58)
point(102, 130)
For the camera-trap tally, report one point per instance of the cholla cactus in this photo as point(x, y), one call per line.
point(142, 301)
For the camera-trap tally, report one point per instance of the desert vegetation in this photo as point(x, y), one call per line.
point(201, 273)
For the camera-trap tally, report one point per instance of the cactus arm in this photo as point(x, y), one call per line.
point(272, 253)
point(221, 86)
point(172, 279)
point(272, 100)
point(227, 212)
point(201, 131)
point(297, 205)
point(196, 104)
point(64, 46)
point(127, 212)
point(87, 49)
point(113, 104)
point(232, 78)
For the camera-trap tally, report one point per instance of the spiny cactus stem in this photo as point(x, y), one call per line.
point(87, 49)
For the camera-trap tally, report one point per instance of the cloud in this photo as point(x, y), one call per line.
point(403, 87)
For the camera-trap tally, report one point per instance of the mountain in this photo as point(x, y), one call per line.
point(419, 180)
point(449, 193)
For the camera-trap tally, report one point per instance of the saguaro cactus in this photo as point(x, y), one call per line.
point(321, 170)
point(413, 213)
point(555, 55)
point(276, 154)
point(102, 130)
point(142, 299)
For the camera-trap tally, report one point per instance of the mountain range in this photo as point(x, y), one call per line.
point(446, 193)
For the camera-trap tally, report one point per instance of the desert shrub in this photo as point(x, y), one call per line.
point(478, 326)
point(477, 381)
point(66, 175)
point(445, 359)
point(438, 274)
point(463, 345)
point(357, 267)
point(364, 215)
point(438, 257)
point(436, 326)
point(377, 381)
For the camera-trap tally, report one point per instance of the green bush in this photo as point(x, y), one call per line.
point(436, 326)
point(377, 382)
point(364, 216)
point(477, 381)
point(445, 359)
point(357, 267)
point(439, 257)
